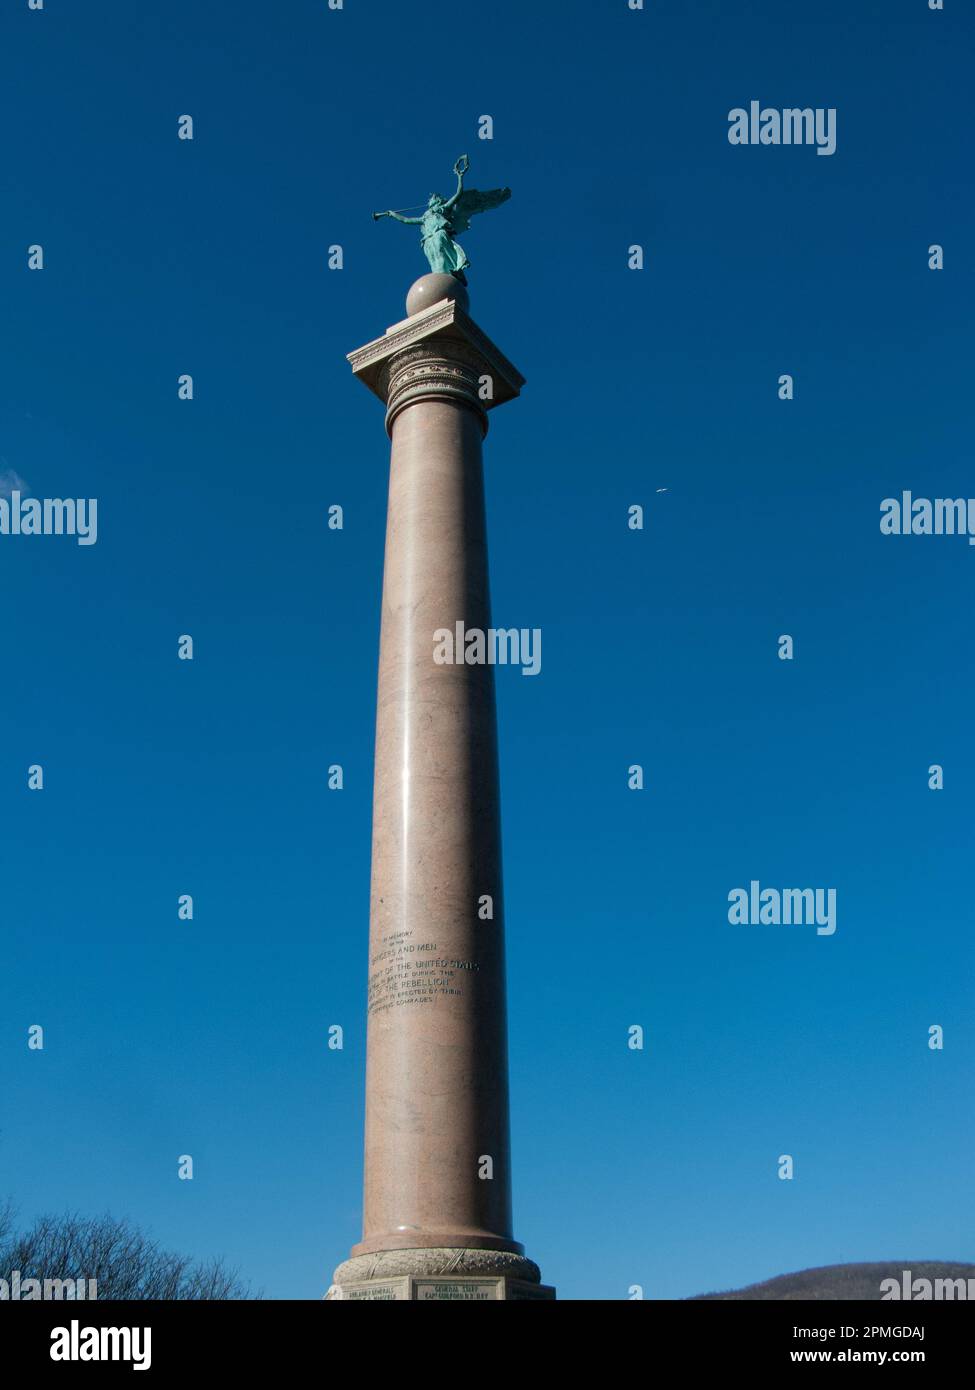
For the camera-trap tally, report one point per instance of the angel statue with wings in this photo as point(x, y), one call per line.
point(444, 218)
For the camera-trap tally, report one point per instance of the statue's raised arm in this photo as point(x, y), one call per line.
point(445, 217)
point(460, 169)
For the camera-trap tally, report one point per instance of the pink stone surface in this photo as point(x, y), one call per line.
point(437, 1093)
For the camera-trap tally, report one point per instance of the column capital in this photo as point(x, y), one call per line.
point(437, 354)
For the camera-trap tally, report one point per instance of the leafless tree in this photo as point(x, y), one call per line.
point(125, 1262)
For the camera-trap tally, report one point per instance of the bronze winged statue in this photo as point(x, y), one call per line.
point(444, 218)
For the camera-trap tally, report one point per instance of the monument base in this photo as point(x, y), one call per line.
point(456, 1288)
point(440, 1273)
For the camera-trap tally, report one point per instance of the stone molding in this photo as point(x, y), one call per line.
point(439, 354)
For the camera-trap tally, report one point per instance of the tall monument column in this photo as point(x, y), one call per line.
point(437, 1209)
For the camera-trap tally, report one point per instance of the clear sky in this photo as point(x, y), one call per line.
point(162, 777)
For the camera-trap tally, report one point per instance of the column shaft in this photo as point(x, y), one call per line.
point(436, 1088)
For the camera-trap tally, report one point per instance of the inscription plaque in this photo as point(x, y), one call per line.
point(457, 1290)
point(384, 1290)
point(408, 972)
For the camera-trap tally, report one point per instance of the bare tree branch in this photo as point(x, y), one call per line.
point(125, 1262)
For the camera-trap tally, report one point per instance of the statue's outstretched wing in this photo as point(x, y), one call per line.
point(471, 201)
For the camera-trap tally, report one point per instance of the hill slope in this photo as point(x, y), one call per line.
point(846, 1282)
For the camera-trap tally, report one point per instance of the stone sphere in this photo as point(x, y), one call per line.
point(430, 289)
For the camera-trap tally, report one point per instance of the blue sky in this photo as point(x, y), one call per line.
point(163, 777)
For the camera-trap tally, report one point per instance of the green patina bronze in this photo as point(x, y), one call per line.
point(444, 218)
